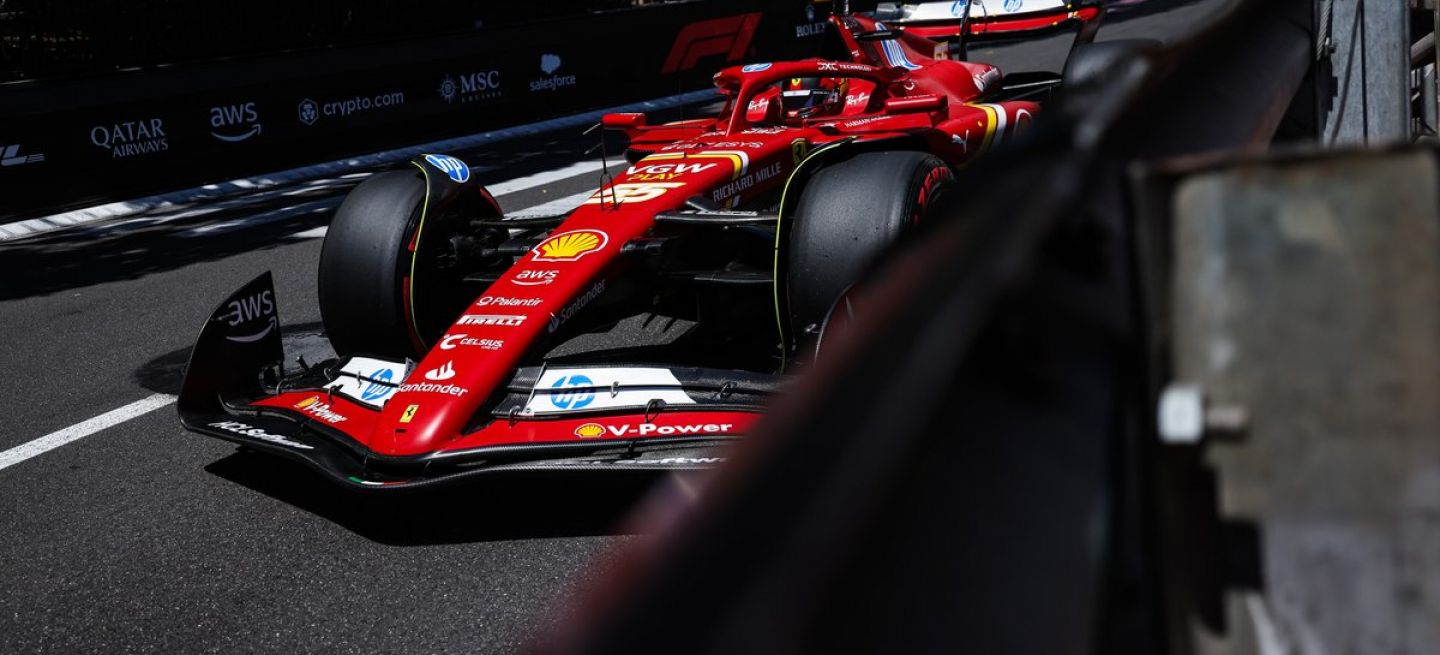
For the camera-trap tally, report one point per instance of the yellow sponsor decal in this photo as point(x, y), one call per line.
point(628, 192)
point(739, 159)
point(798, 149)
point(409, 413)
point(590, 431)
point(570, 246)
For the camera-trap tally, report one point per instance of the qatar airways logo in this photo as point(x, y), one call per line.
point(131, 138)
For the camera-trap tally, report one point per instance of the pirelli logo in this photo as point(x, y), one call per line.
point(729, 36)
point(508, 320)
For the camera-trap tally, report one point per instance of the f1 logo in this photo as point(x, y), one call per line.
point(729, 36)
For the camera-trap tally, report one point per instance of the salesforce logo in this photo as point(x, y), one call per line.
point(375, 390)
point(565, 398)
point(549, 64)
point(456, 169)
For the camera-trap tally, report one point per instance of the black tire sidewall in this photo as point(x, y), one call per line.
point(848, 213)
point(364, 262)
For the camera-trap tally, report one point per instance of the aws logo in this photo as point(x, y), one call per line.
point(234, 123)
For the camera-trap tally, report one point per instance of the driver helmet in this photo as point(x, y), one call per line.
point(809, 97)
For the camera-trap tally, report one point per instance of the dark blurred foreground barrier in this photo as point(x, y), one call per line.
point(71, 142)
point(974, 465)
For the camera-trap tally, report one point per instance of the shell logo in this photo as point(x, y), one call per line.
point(307, 402)
point(570, 246)
point(590, 431)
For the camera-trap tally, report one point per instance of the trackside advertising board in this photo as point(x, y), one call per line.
point(71, 142)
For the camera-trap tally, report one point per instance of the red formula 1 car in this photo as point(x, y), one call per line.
point(642, 330)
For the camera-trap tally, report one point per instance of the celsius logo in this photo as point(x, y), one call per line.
point(445, 372)
point(454, 168)
point(379, 386)
point(548, 65)
point(453, 341)
point(10, 156)
point(242, 119)
point(131, 138)
point(470, 86)
point(309, 111)
point(572, 392)
point(245, 312)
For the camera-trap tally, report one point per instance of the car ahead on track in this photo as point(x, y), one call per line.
point(456, 327)
point(960, 20)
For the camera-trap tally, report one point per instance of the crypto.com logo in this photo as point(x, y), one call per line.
point(729, 36)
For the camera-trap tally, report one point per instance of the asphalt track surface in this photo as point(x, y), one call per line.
point(140, 537)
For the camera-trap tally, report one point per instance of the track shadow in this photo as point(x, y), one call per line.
point(503, 508)
point(164, 374)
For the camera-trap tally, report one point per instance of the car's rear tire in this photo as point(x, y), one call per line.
point(848, 212)
point(364, 263)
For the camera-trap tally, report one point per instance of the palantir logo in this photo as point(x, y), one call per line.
point(309, 111)
point(573, 392)
point(234, 123)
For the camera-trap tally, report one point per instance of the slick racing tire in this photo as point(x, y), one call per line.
point(364, 263)
point(847, 214)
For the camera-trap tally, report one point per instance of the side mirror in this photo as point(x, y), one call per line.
point(626, 121)
point(916, 104)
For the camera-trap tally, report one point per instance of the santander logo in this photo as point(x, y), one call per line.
point(445, 372)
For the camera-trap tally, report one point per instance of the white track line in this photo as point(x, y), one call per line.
point(500, 189)
point(83, 429)
point(554, 207)
point(145, 405)
point(538, 179)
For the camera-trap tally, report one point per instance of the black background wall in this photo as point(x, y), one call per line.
point(82, 133)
